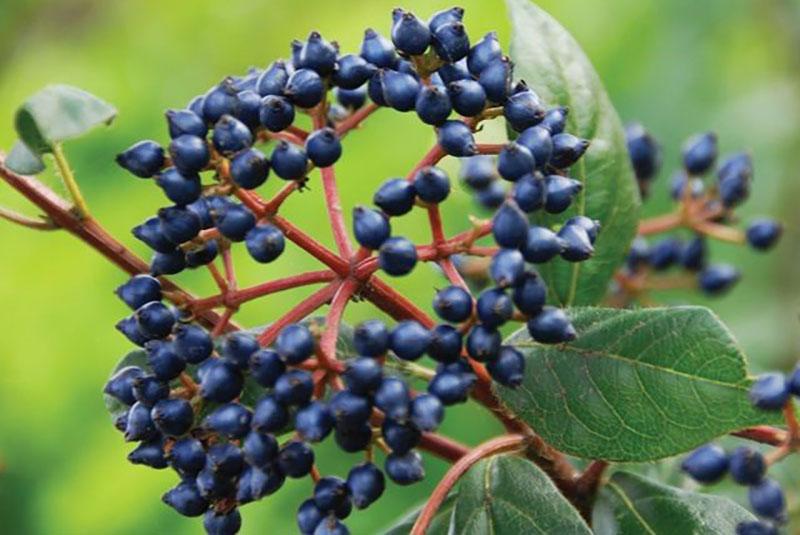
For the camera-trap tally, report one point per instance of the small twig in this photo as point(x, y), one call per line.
point(69, 180)
point(43, 223)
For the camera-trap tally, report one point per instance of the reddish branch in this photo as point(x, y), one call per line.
point(299, 312)
point(355, 120)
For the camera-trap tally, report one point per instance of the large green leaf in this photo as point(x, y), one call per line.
point(509, 495)
point(57, 113)
point(439, 525)
point(548, 58)
point(632, 505)
point(636, 385)
point(23, 160)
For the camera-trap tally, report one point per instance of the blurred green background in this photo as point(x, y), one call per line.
point(679, 66)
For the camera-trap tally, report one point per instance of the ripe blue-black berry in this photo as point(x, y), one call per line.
point(185, 122)
point(288, 161)
point(478, 171)
point(295, 343)
point(491, 197)
point(139, 290)
point(375, 89)
point(555, 120)
point(508, 368)
point(255, 483)
point(559, 192)
point(693, 254)
point(269, 415)
point(151, 232)
point(401, 437)
point(331, 525)
point(431, 184)
point(700, 153)
point(717, 279)
point(767, 500)
point(273, 80)
point(450, 41)
point(121, 383)
point(182, 189)
point(395, 196)
point(510, 226)
point(409, 340)
point(187, 456)
point(400, 89)
point(644, 151)
point(433, 105)
point(314, 422)
point(192, 343)
point(450, 388)
point(577, 244)
point(664, 253)
point(173, 417)
point(483, 53)
point(220, 380)
point(427, 412)
point(259, 449)
point(201, 254)
point(494, 308)
point(353, 439)
point(530, 294)
point(178, 225)
point(351, 98)
point(483, 343)
point(189, 153)
point(409, 34)
point(129, 327)
point(370, 227)
point(770, 391)
point(218, 101)
point(523, 109)
point(467, 97)
point(456, 139)
point(222, 523)
point(238, 347)
point(446, 343)
point(591, 226)
point(541, 245)
point(393, 398)
point(747, 466)
point(163, 360)
point(230, 419)
point(397, 256)
point(755, 527)
point(350, 409)
point(149, 453)
point(706, 464)
point(230, 135)
point(507, 267)
point(318, 54)
point(143, 159)
point(371, 338)
point(365, 483)
point(139, 425)
point(225, 459)
point(453, 304)
point(405, 469)
point(763, 234)
point(495, 78)
point(155, 319)
point(276, 113)
point(377, 49)
point(264, 242)
point(539, 141)
point(363, 375)
point(294, 388)
point(529, 193)
point(235, 221)
point(149, 389)
point(323, 147)
point(167, 263)
point(514, 161)
point(352, 71)
point(186, 499)
point(567, 149)
point(305, 88)
point(309, 517)
point(295, 459)
point(330, 493)
point(551, 326)
point(249, 168)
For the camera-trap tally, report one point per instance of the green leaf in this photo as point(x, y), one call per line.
point(57, 113)
point(439, 525)
point(23, 161)
point(632, 504)
point(510, 495)
point(552, 63)
point(635, 385)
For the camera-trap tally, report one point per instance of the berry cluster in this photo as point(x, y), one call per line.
point(704, 208)
point(234, 414)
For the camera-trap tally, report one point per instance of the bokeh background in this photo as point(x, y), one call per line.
point(680, 67)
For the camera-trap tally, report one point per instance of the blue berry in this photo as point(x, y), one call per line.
point(149, 453)
point(365, 483)
point(747, 466)
point(733, 191)
point(495, 78)
point(305, 88)
point(767, 500)
point(269, 416)
point(493, 196)
point(178, 225)
point(294, 387)
point(249, 168)
point(273, 80)
point(375, 89)
point(331, 526)
point(186, 499)
point(510, 226)
point(352, 71)
point(350, 409)
point(201, 254)
point(276, 113)
point(353, 439)
point(559, 193)
point(173, 417)
point(395, 196)
point(163, 360)
point(151, 232)
point(717, 279)
point(255, 483)
point(483, 53)
point(139, 290)
point(309, 517)
point(523, 109)
point(330, 493)
point(794, 381)
point(693, 254)
point(405, 469)
point(763, 234)
point(467, 96)
point(323, 147)
point(706, 464)
point(214, 486)
point(508, 368)
point(225, 459)
point(189, 154)
point(393, 398)
point(222, 523)
point(167, 263)
point(494, 308)
point(551, 326)
point(409, 34)
point(296, 459)
point(264, 242)
point(577, 244)
point(139, 425)
point(363, 375)
point(192, 343)
point(529, 193)
point(230, 419)
point(289, 162)
point(478, 171)
point(541, 245)
point(755, 527)
point(770, 391)
point(431, 185)
point(318, 54)
point(370, 227)
point(555, 120)
point(259, 449)
point(567, 149)
point(155, 319)
point(120, 385)
point(515, 161)
point(149, 390)
point(456, 139)
point(401, 437)
point(295, 343)
point(231, 135)
point(351, 98)
point(409, 340)
point(235, 221)
point(314, 422)
point(530, 294)
point(483, 343)
point(450, 388)
point(450, 41)
point(187, 456)
point(453, 304)
point(400, 90)
point(238, 348)
point(371, 338)
point(433, 105)
point(644, 151)
point(664, 253)
point(185, 122)
point(427, 412)
point(220, 380)
point(144, 159)
point(700, 153)
point(220, 100)
point(539, 141)
point(397, 256)
point(446, 343)
point(377, 49)
point(130, 328)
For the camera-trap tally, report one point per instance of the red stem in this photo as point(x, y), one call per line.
point(443, 447)
point(300, 311)
point(355, 120)
point(272, 206)
point(433, 156)
point(335, 215)
point(492, 447)
point(393, 303)
point(490, 148)
point(312, 246)
point(327, 344)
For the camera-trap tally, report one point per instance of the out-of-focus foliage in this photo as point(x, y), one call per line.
point(679, 67)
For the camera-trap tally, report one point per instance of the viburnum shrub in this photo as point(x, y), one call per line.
point(236, 411)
